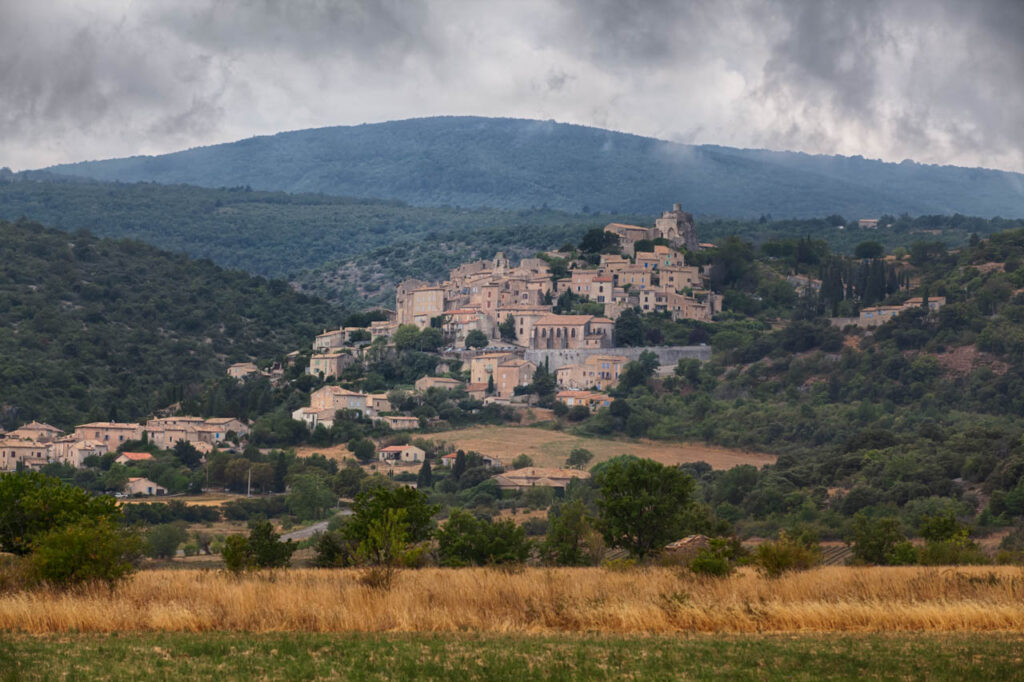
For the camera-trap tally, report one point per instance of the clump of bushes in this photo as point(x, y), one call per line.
point(718, 559)
point(786, 554)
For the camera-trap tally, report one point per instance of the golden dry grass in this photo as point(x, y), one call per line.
point(551, 448)
point(537, 600)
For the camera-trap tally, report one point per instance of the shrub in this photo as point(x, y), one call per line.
point(880, 541)
point(162, 541)
point(957, 550)
point(13, 573)
point(267, 550)
point(32, 504)
point(332, 550)
point(466, 540)
point(784, 555)
point(236, 553)
point(718, 559)
point(86, 551)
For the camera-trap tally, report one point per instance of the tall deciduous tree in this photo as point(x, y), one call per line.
point(643, 505)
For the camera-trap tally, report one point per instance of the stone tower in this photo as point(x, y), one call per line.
point(677, 227)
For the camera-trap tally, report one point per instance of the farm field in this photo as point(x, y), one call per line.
point(536, 601)
point(291, 656)
point(551, 448)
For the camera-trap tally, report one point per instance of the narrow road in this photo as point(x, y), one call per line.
point(309, 531)
point(305, 533)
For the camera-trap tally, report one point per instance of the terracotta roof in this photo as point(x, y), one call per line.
point(137, 456)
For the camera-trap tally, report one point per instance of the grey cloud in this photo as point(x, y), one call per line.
point(933, 80)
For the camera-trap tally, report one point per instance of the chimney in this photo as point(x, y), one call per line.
point(677, 207)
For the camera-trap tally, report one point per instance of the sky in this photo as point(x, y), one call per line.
point(937, 81)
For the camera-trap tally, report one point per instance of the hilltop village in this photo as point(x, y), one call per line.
point(496, 322)
point(537, 333)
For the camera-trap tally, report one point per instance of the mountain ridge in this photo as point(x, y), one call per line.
point(524, 163)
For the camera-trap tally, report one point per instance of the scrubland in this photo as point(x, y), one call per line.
point(536, 601)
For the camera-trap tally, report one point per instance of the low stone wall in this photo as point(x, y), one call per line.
point(668, 356)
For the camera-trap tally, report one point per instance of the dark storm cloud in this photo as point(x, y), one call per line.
point(934, 80)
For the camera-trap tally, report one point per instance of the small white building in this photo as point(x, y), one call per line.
point(143, 486)
point(407, 454)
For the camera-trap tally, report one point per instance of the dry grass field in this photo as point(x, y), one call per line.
point(551, 448)
point(536, 601)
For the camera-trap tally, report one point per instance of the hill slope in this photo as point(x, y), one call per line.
point(102, 329)
point(273, 233)
point(512, 163)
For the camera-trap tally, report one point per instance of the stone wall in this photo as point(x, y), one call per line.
point(668, 356)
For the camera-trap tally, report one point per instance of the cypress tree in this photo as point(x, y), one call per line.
point(425, 478)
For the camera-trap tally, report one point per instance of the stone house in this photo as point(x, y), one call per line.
point(29, 453)
point(406, 454)
point(424, 383)
point(482, 367)
point(41, 433)
point(73, 452)
point(589, 399)
point(525, 317)
point(330, 364)
point(111, 433)
point(133, 457)
point(143, 486)
point(240, 370)
point(399, 423)
point(314, 416)
point(572, 331)
point(511, 373)
point(538, 477)
point(599, 372)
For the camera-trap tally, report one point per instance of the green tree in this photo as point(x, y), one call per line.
point(236, 554)
point(643, 505)
point(476, 339)
point(638, 372)
point(869, 249)
point(570, 535)
point(87, 550)
point(32, 504)
point(386, 548)
point(266, 547)
point(363, 449)
point(162, 541)
point(430, 340)
point(507, 329)
point(579, 458)
point(465, 540)
point(310, 496)
point(879, 541)
point(425, 477)
point(371, 505)
point(459, 466)
point(406, 337)
point(522, 461)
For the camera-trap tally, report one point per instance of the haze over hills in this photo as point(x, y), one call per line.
point(515, 163)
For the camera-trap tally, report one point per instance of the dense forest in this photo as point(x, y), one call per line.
point(113, 329)
point(270, 233)
point(517, 164)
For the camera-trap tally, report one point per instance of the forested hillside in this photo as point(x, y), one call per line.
point(273, 233)
point(353, 251)
point(511, 163)
point(100, 329)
